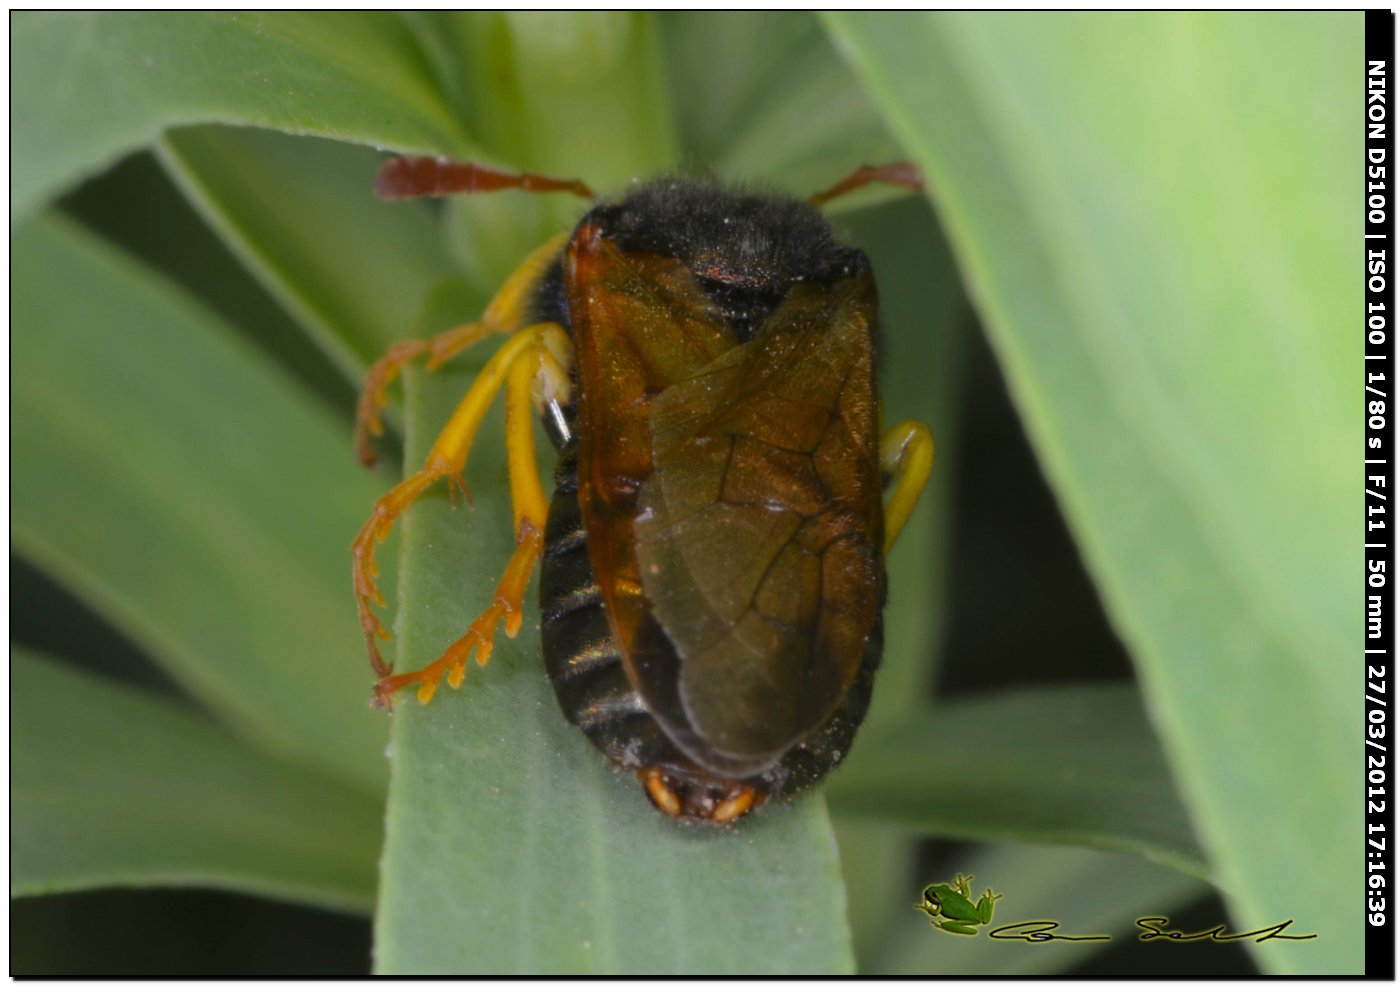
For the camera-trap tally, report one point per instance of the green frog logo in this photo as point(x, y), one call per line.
point(950, 907)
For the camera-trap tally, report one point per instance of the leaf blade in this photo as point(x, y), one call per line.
point(1069, 764)
point(112, 787)
point(1102, 256)
point(779, 107)
point(201, 548)
point(124, 77)
point(303, 217)
point(566, 867)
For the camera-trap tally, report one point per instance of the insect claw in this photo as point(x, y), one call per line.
point(426, 689)
point(455, 674)
point(379, 697)
point(364, 448)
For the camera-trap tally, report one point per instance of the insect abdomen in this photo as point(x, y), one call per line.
point(580, 655)
point(594, 691)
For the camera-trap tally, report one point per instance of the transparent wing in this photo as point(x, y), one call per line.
point(757, 533)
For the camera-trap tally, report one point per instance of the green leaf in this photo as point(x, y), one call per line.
point(97, 85)
point(580, 89)
point(176, 481)
point(1075, 764)
point(761, 95)
point(137, 207)
point(924, 318)
point(512, 845)
point(112, 787)
point(577, 94)
point(876, 862)
point(303, 217)
point(1089, 893)
point(1150, 209)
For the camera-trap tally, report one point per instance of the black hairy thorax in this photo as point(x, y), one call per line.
point(746, 251)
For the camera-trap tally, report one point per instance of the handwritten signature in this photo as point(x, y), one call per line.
point(1154, 928)
point(1038, 931)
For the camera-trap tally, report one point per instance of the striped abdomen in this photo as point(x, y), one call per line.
point(580, 655)
point(594, 691)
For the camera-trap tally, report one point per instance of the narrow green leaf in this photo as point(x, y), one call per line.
point(579, 89)
point(112, 787)
point(1089, 893)
point(924, 318)
point(762, 96)
point(877, 861)
point(303, 217)
point(1144, 204)
point(138, 207)
point(575, 94)
point(97, 85)
point(512, 845)
point(1074, 764)
point(176, 481)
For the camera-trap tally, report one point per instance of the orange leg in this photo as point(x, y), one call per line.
point(541, 352)
point(506, 313)
point(905, 174)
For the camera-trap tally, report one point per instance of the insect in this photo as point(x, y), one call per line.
point(953, 904)
point(712, 576)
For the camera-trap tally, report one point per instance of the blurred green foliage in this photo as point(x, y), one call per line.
point(1135, 207)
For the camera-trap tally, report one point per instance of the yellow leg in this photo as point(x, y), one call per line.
point(506, 313)
point(538, 353)
point(906, 457)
